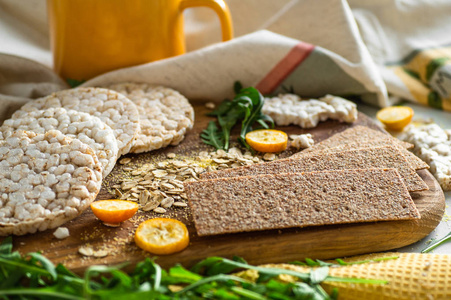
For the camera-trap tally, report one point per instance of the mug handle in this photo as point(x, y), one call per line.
point(221, 9)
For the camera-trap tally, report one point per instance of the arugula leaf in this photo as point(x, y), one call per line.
point(237, 87)
point(6, 247)
point(46, 264)
point(212, 136)
point(183, 274)
point(34, 277)
point(222, 109)
point(246, 108)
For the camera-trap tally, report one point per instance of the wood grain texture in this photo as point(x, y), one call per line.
point(256, 247)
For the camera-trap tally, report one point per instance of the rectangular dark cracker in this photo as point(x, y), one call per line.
point(379, 157)
point(414, 160)
point(276, 201)
point(363, 137)
point(360, 134)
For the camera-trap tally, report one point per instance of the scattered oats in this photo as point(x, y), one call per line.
point(125, 160)
point(159, 173)
point(180, 204)
point(162, 164)
point(171, 155)
point(128, 185)
point(118, 193)
point(167, 186)
point(100, 253)
point(199, 170)
point(210, 105)
point(179, 163)
point(136, 172)
point(221, 153)
point(86, 251)
point(170, 177)
point(127, 169)
point(167, 202)
point(269, 156)
point(152, 203)
point(61, 233)
point(144, 197)
point(159, 210)
point(111, 224)
point(220, 161)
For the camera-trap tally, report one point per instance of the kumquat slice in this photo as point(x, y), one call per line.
point(395, 117)
point(114, 211)
point(162, 236)
point(267, 140)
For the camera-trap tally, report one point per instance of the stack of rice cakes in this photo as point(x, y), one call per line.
point(358, 175)
point(55, 151)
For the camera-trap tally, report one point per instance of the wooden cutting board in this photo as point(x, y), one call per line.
point(256, 247)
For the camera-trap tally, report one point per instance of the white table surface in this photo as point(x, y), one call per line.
point(444, 120)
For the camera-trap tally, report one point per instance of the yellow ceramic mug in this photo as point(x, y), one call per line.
point(91, 37)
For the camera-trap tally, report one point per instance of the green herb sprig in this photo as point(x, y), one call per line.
point(33, 276)
point(437, 243)
point(246, 108)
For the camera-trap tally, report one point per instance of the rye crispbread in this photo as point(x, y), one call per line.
point(357, 134)
point(380, 157)
point(276, 201)
point(364, 137)
point(413, 160)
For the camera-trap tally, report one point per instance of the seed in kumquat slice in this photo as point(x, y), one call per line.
point(395, 117)
point(267, 140)
point(114, 211)
point(162, 236)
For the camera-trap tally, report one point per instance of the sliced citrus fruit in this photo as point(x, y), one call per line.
point(267, 140)
point(114, 211)
point(162, 236)
point(395, 117)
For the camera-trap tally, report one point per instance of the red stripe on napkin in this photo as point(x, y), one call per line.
point(284, 68)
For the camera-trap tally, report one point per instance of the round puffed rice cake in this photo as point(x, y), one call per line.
point(45, 180)
point(164, 114)
point(114, 109)
point(85, 127)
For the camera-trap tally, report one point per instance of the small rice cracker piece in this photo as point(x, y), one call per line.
point(114, 109)
point(381, 157)
point(164, 114)
point(363, 137)
point(85, 127)
point(45, 181)
point(286, 109)
point(433, 145)
point(277, 201)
